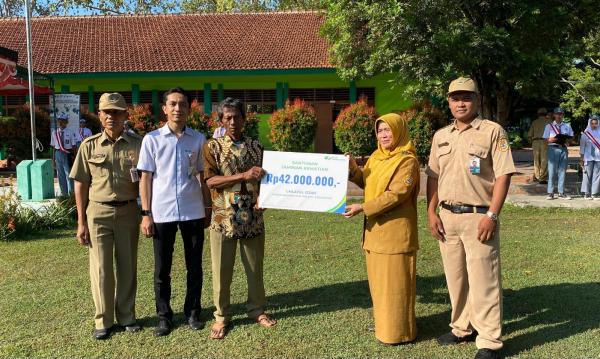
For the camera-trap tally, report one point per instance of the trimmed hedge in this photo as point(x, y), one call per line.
point(355, 129)
point(293, 127)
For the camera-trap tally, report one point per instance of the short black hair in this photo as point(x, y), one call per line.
point(176, 90)
point(231, 102)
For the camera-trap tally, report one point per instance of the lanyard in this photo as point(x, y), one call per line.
point(59, 141)
point(555, 128)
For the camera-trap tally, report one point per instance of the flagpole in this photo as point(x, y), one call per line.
point(30, 77)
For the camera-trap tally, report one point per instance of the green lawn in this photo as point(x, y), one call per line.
point(316, 287)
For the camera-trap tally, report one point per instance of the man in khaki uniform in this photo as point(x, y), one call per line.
point(540, 147)
point(469, 172)
point(106, 191)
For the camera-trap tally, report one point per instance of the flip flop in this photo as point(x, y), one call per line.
point(266, 321)
point(219, 330)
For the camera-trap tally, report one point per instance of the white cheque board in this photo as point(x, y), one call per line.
point(314, 182)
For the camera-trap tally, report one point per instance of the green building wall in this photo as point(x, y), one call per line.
point(387, 98)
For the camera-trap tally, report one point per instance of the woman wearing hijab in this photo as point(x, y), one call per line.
point(589, 149)
point(391, 183)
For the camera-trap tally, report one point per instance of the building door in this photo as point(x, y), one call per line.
point(324, 136)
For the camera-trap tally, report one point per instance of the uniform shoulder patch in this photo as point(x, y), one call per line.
point(503, 145)
point(408, 181)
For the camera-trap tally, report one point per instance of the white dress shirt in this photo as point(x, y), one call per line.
point(174, 163)
point(586, 148)
point(564, 128)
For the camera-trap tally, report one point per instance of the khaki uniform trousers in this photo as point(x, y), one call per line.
point(252, 251)
point(393, 287)
point(472, 273)
point(114, 233)
point(540, 159)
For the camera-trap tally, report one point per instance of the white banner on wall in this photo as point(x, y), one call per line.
point(66, 104)
point(304, 181)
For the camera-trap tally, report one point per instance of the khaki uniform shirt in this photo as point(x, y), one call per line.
point(105, 166)
point(453, 150)
point(536, 131)
point(233, 207)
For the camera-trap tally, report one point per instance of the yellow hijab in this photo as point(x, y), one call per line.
point(383, 163)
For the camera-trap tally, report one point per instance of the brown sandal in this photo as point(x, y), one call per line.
point(219, 330)
point(266, 321)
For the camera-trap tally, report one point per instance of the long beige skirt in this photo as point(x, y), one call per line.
point(393, 286)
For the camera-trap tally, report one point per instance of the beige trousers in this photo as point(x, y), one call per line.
point(114, 233)
point(540, 159)
point(472, 273)
point(393, 287)
point(222, 251)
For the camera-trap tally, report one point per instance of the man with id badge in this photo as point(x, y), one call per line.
point(468, 176)
point(106, 191)
point(173, 195)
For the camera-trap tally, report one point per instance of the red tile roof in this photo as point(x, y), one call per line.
point(175, 42)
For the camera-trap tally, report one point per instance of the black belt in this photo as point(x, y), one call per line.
point(464, 208)
point(117, 203)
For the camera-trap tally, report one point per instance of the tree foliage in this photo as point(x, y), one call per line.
point(510, 47)
point(583, 95)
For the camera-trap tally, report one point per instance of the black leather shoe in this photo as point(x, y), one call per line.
point(101, 334)
point(133, 327)
point(487, 354)
point(451, 339)
point(163, 328)
point(195, 322)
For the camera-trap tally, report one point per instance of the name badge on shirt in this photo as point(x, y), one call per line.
point(475, 165)
point(192, 171)
point(133, 172)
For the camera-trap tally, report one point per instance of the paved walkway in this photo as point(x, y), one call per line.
point(522, 191)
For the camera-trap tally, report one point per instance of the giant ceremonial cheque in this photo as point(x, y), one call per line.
point(304, 181)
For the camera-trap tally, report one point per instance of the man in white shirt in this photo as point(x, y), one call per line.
point(558, 134)
point(83, 131)
point(63, 141)
point(173, 195)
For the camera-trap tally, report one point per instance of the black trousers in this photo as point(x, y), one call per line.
point(192, 233)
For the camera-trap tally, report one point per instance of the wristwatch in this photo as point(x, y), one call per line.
point(146, 212)
point(493, 216)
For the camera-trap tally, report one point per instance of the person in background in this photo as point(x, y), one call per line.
point(390, 236)
point(219, 131)
point(539, 146)
point(83, 132)
point(589, 149)
point(129, 128)
point(63, 142)
point(558, 134)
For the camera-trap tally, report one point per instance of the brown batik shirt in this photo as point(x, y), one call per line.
point(233, 207)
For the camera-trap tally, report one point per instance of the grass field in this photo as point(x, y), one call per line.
point(316, 286)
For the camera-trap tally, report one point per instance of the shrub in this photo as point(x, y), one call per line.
point(201, 122)
point(355, 129)
point(16, 132)
point(141, 119)
point(18, 221)
point(251, 125)
point(422, 119)
point(293, 127)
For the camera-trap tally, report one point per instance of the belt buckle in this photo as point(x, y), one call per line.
point(456, 210)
